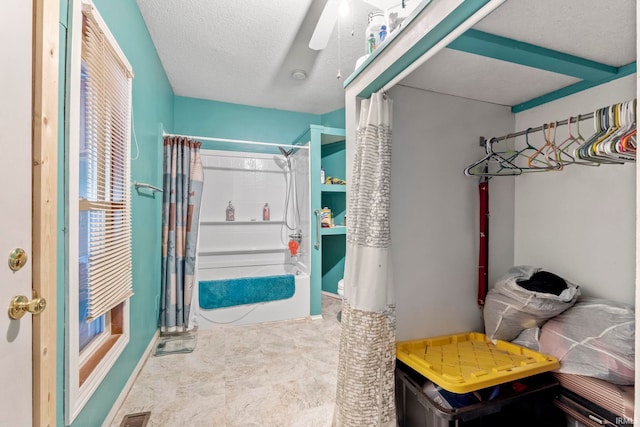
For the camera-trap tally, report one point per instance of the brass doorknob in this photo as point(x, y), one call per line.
point(21, 305)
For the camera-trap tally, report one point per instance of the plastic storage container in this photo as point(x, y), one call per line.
point(462, 363)
point(528, 404)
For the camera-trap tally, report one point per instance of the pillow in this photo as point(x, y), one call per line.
point(595, 338)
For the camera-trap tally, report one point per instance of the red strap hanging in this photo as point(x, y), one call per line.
point(483, 261)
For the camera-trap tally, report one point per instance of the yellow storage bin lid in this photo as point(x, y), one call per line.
point(467, 362)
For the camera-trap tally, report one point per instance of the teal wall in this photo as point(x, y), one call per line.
point(334, 249)
point(152, 110)
point(201, 117)
point(334, 119)
point(155, 108)
point(334, 163)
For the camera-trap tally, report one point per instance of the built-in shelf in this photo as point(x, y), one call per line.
point(333, 231)
point(331, 135)
point(257, 222)
point(334, 188)
point(243, 251)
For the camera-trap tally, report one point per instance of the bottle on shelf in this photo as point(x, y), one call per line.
point(321, 176)
point(231, 212)
point(382, 33)
point(266, 214)
point(372, 33)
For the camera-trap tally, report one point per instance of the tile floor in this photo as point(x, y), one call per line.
point(268, 375)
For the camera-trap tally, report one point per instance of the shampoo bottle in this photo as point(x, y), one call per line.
point(231, 212)
point(265, 212)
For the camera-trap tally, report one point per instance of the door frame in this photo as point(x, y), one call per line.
point(46, 21)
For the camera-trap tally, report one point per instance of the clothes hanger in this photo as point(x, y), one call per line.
point(564, 146)
point(559, 152)
point(586, 151)
point(627, 128)
point(603, 149)
point(534, 160)
point(628, 141)
point(492, 164)
point(527, 147)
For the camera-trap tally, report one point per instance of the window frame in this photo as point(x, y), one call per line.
point(85, 372)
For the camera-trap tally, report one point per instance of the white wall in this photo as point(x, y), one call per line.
point(248, 180)
point(434, 210)
point(580, 222)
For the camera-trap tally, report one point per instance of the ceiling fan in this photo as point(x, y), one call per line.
point(329, 17)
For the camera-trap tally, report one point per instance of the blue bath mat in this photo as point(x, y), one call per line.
point(245, 290)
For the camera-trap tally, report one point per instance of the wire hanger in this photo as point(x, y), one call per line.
point(492, 164)
point(535, 162)
point(614, 141)
point(565, 146)
point(540, 166)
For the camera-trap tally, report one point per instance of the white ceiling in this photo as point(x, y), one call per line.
point(244, 51)
point(600, 30)
point(603, 31)
point(486, 79)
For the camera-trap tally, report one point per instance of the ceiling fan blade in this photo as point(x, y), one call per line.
point(324, 27)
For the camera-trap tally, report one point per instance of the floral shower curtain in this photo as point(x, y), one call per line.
point(365, 392)
point(182, 195)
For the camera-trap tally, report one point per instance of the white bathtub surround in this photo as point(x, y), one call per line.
point(248, 180)
point(296, 307)
point(276, 374)
point(250, 246)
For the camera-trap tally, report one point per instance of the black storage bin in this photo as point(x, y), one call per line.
point(531, 407)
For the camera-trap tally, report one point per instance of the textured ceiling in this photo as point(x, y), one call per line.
point(245, 51)
point(603, 31)
point(485, 79)
point(600, 30)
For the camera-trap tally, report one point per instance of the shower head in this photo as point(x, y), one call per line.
point(285, 153)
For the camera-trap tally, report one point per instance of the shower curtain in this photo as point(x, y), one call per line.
point(181, 198)
point(365, 392)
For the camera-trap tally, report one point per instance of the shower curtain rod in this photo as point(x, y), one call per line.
point(237, 141)
point(574, 119)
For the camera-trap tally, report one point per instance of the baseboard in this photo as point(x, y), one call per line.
point(132, 378)
point(316, 317)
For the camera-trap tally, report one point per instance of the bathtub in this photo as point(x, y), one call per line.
point(295, 307)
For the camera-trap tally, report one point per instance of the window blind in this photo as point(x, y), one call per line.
point(105, 196)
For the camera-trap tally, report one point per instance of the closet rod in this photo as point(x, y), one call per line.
point(581, 117)
point(237, 141)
